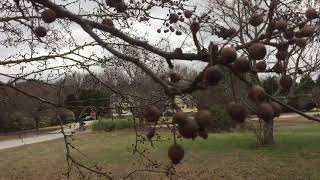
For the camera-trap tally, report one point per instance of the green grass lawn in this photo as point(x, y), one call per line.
point(296, 155)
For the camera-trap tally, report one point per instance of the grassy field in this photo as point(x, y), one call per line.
point(223, 156)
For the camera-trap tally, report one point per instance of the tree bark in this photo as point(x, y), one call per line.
point(268, 133)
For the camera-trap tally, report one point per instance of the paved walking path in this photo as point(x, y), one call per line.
point(40, 138)
point(73, 129)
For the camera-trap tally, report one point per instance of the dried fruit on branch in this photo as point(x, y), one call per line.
point(203, 118)
point(189, 129)
point(257, 51)
point(195, 27)
point(179, 118)
point(256, 93)
point(311, 13)
point(176, 153)
point(108, 22)
point(152, 114)
point(256, 19)
point(228, 54)
point(40, 31)
point(265, 112)
point(261, 66)
point(237, 112)
point(48, 16)
point(242, 64)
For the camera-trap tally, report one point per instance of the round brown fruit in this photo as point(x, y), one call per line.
point(229, 54)
point(265, 112)
point(203, 117)
point(152, 114)
point(179, 118)
point(178, 51)
point(242, 64)
point(237, 112)
point(276, 108)
point(311, 13)
point(257, 51)
point(195, 27)
point(261, 66)
point(256, 19)
point(121, 7)
point(189, 129)
point(212, 75)
point(307, 31)
point(175, 77)
point(256, 93)
point(281, 25)
point(48, 16)
point(227, 33)
point(283, 46)
point(174, 17)
point(285, 81)
point(108, 22)
point(187, 13)
point(176, 153)
point(288, 34)
point(203, 133)
point(151, 133)
point(301, 42)
point(281, 55)
point(40, 31)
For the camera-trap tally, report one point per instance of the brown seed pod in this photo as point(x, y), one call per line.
point(48, 16)
point(203, 133)
point(229, 54)
point(40, 31)
point(311, 13)
point(121, 7)
point(256, 93)
point(179, 118)
point(301, 42)
point(257, 51)
point(237, 112)
point(281, 25)
point(151, 133)
point(278, 68)
point(212, 75)
point(195, 27)
point(299, 71)
point(174, 18)
point(227, 33)
point(283, 46)
point(176, 153)
point(261, 66)
point(256, 19)
point(307, 31)
point(187, 13)
point(285, 81)
point(277, 108)
point(281, 55)
point(265, 112)
point(203, 118)
point(152, 114)
point(242, 64)
point(189, 129)
point(108, 22)
point(288, 34)
point(178, 51)
point(175, 77)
